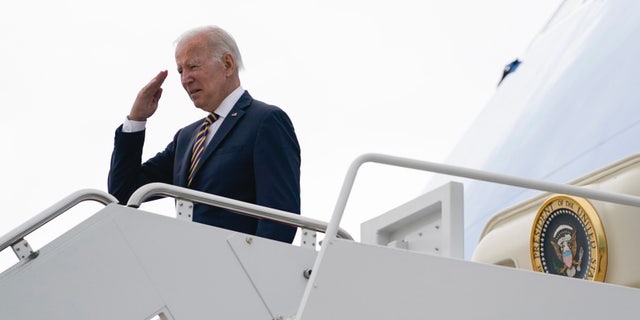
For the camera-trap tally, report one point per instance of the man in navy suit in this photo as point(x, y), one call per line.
point(249, 152)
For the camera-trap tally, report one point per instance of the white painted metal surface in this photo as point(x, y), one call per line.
point(359, 281)
point(123, 263)
point(431, 223)
point(401, 297)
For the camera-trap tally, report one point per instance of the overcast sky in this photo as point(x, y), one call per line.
point(397, 77)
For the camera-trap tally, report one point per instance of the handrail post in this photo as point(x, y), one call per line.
point(343, 197)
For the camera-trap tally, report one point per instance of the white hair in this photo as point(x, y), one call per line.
point(220, 42)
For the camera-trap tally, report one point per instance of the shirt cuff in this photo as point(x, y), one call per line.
point(130, 126)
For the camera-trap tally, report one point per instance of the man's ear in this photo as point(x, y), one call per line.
point(229, 64)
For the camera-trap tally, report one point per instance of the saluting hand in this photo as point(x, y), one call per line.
point(146, 102)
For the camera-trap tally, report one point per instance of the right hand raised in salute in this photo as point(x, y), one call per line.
point(146, 102)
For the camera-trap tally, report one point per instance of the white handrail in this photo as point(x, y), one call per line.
point(162, 189)
point(465, 173)
point(55, 210)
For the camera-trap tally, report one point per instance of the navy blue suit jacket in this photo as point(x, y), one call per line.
point(253, 157)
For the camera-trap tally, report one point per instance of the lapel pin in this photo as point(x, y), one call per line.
point(234, 114)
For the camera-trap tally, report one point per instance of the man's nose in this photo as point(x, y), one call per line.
point(185, 78)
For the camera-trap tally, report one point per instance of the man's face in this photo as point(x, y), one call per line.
point(204, 77)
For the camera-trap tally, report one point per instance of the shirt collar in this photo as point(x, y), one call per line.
point(227, 104)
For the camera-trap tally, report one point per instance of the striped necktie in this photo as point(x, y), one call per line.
point(199, 145)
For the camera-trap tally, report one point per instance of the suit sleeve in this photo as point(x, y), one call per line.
point(127, 172)
point(277, 173)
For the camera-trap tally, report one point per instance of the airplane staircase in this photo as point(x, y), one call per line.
point(126, 263)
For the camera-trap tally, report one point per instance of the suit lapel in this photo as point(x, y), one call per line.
point(229, 122)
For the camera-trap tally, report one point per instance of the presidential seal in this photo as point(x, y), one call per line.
point(567, 238)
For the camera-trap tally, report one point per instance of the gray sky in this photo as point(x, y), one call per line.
point(397, 77)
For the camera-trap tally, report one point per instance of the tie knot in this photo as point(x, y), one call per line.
point(211, 118)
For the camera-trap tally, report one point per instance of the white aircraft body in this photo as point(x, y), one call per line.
point(542, 190)
point(570, 108)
